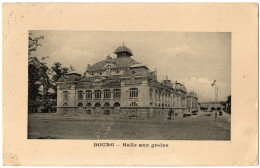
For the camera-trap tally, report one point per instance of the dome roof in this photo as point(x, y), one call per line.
point(179, 86)
point(138, 65)
point(122, 62)
point(123, 49)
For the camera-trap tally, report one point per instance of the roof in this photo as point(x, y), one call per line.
point(123, 49)
point(73, 73)
point(70, 77)
point(119, 62)
point(135, 73)
point(86, 80)
point(138, 65)
point(179, 86)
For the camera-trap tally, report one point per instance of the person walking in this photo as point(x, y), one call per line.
point(170, 114)
point(173, 114)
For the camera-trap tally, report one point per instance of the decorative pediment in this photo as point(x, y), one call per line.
point(97, 79)
point(109, 65)
point(133, 81)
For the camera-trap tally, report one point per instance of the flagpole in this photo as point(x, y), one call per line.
point(215, 101)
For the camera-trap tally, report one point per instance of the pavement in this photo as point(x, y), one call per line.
point(195, 127)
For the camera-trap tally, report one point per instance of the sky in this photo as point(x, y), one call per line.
point(193, 58)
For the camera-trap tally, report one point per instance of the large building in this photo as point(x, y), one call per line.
point(121, 87)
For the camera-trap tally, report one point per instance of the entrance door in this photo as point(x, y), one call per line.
point(106, 109)
point(116, 108)
point(80, 109)
point(88, 108)
point(97, 108)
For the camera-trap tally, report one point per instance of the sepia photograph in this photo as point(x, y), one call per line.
point(129, 85)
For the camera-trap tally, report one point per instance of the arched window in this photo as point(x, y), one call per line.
point(80, 105)
point(97, 94)
point(133, 104)
point(133, 92)
point(97, 104)
point(80, 94)
point(88, 94)
point(65, 104)
point(65, 95)
point(117, 104)
point(117, 93)
point(107, 94)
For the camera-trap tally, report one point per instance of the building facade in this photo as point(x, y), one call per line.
point(121, 87)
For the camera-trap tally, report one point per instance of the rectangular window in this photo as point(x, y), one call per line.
point(117, 93)
point(97, 94)
point(133, 92)
point(80, 95)
point(89, 94)
point(107, 94)
point(65, 95)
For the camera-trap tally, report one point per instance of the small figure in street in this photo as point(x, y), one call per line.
point(170, 114)
point(173, 113)
point(216, 115)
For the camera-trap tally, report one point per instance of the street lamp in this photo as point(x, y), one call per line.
point(216, 97)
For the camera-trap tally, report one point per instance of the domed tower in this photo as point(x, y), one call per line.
point(123, 51)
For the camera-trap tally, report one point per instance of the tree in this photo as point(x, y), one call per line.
point(38, 77)
point(33, 74)
point(57, 72)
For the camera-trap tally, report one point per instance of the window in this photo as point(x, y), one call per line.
point(65, 95)
point(159, 95)
point(156, 95)
point(133, 92)
point(80, 105)
point(80, 95)
point(117, 93)
point(107, 94)
point(89, 94)
point(97, 94)
point(133, 104)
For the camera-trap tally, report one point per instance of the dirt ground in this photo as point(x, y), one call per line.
point(195, 127)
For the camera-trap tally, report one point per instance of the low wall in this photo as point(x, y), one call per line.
point(122, 112)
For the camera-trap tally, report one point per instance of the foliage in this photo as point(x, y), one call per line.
point(57, 72)
point(42, 79)
point(38, 77)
